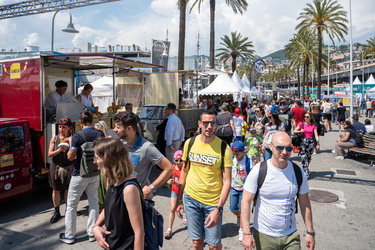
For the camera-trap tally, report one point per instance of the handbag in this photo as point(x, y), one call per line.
point(297, 138)
point(322, 130)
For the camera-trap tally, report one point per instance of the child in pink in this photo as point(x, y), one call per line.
point(174, 181)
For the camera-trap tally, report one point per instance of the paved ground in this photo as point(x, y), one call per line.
point(345, 224)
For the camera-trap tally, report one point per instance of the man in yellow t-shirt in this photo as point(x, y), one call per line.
point(206, 185)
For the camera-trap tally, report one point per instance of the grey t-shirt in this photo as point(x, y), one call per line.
point(144, 155)
point(223, 124)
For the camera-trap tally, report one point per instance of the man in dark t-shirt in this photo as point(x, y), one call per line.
point(79, 184)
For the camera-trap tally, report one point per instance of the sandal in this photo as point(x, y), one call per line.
point(185, 222)
point(168, 233)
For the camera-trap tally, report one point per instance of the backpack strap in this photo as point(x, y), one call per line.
point(223, 148)
point(82, 135)
point(191, 142)
point(247, 163)
point(298, 173)
point(261, 177)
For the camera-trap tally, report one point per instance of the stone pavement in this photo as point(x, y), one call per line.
point(347, 223)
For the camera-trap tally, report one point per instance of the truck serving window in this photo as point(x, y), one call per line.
point(152, 113)
point(11, 139)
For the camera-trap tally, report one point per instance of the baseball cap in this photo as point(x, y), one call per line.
point(178, 154)
point(237, 112)
point(238, 145)
point(253, 129)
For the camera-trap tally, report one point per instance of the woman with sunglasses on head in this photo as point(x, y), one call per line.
point(174, 181)
point(61, 168)
point(260, 121)
point(122, 215)
point(274, 124)
point(308, 131)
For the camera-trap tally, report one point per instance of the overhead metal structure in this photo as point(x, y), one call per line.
point(34, 7)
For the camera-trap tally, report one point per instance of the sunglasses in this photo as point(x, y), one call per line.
point(206, 123)
point(269, 117)
point(64, 120)
point(253, 132)
point(307, 116)
point(281, 148)
point(257, 111)
point(178, 160)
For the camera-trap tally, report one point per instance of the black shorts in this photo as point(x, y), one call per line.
point(327, 116)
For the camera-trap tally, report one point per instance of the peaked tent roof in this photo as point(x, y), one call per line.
point(222, 85)
point(357, 81)
point(236, 79)
point(370, 80)
point(246, 80)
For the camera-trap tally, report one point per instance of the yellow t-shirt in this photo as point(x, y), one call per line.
point(204, 179)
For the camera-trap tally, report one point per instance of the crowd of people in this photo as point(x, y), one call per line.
point(238, 145)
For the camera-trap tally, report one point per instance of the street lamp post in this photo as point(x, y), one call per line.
point(328, 71)
point(351, 61)
point(69, 29)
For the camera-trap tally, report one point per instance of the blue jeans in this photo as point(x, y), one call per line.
point(235, 200)
point(197, 212)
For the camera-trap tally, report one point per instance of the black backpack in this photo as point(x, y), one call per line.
point(87, 166)
point(359, 140)
point(262, 176)
point(153, 222)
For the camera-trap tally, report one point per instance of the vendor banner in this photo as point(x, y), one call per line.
point(366, 87)
point(256, 70)
point(160, 55)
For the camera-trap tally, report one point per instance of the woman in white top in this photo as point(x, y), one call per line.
point(85, 96)
point(369, 127)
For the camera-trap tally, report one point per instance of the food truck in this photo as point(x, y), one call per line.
point(25, 128)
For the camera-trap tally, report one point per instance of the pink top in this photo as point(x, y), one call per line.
point(309, 130)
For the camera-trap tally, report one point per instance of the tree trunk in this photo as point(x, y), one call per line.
point(234, 64)
point(307, 79)
point(212, 36)
point(181, 36)
point(320, 38)
point(299, 82)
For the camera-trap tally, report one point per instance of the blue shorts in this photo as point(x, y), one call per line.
point(197, 213)
point(235, 200)
point(173, 195)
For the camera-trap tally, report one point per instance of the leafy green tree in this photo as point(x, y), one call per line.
point(369, 48)
point(234, 47)
point(323, 16)
point(237, 6)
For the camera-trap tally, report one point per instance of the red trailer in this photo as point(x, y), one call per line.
point(24, 84)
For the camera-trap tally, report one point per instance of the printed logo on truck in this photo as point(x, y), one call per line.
point(6, 160)
point(15, 70)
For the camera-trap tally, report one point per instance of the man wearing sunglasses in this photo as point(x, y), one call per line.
point(206, 182)
point(274, 213)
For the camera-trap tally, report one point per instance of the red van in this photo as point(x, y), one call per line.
point(16, 159)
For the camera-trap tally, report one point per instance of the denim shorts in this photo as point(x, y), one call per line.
point(173, 195)
point(197, 213)
point(235, 200)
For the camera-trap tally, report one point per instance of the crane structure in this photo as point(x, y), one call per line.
point(33, 7)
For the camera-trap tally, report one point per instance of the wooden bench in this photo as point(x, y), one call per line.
point(368, 149)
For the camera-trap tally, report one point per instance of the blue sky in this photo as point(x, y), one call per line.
point(269, 24)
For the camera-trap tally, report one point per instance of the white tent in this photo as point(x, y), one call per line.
point(222, 85)
point(357, 81)
point(370, 80)
point(102, 94)
point(246, 81)
point(243, 88)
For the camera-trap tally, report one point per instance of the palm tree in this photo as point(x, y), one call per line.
point(181, 34)
point(369, 48)
point(235, 46)
point(323, 16)
point(237, 6)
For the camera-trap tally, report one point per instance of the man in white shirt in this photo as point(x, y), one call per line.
point(55, 97)
point(274, 215)
point(327, 114)
point(174, 131)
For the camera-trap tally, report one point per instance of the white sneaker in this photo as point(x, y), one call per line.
point(240, 234)
point(314, 153)
point(339, 157)
point(333, 151)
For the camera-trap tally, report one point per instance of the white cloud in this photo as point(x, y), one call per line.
point(31, 39)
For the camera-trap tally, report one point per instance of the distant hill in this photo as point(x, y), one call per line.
point(277, 56)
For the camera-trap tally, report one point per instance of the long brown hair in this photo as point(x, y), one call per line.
point(312, 119)
point(115, 155)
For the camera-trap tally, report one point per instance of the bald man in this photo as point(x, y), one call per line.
point(276, 230)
